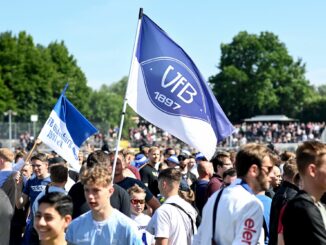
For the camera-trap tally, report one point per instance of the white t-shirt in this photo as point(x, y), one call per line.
point(170, 222)
point(239, 218)
point(142, 221)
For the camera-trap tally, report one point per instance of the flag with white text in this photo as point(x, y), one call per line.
point(166, 88)
point(65, 131)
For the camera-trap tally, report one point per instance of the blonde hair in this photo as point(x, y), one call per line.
point(135, 189)
point(96, 175)
point(7, 154)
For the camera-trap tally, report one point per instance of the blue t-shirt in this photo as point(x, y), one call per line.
point(267, 202)
point(117, 229)
point(35, 186)
point(4, 174)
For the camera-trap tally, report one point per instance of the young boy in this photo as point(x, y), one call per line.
point(137, 205)
point(102, 224)
point(52, 218)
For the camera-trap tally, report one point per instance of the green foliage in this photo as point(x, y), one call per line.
point(33, 77)
point(321, 90)
point(120, 87)
point(258, 76)
point(109, 103)
point(314, 111)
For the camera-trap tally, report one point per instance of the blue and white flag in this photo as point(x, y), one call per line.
point(65, 131)
point(166, 88)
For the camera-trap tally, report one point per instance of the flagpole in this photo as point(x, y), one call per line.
point(125, 98)
point(36, 142)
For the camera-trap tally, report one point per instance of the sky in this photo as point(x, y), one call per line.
point(101, 34)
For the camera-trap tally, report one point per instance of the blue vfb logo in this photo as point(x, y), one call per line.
point(174, 88)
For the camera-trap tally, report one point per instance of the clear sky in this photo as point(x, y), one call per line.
point(100, 34)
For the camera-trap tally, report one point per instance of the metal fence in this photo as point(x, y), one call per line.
point(20, 128)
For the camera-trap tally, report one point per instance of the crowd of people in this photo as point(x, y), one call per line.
point(259, 132)
point(165, 196)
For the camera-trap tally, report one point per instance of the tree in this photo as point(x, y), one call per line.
point(109, 103)
point(322, 90)
point(33, 76)
point(258, 76)
point(314, 111)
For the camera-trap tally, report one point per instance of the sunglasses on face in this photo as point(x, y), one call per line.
point(136, 201)
point(267, 170)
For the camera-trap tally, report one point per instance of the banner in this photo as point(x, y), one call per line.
point(166, 88)
point(65, 131)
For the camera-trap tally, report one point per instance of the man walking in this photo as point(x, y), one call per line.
point(239, 214)
point(304, 219)
point(175, 221)
point(102, 224)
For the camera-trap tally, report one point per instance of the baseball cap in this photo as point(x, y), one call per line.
point(140, 160)
point(173, 159)
point(200, 156)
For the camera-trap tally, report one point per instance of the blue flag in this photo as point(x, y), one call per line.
point(166, 88)
point(65, 131)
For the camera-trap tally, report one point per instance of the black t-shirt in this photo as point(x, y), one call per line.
point(73, 175)
point(149, 177)
point(119, 200)
point(302, 221)
point(189, 175)
point(128, 182)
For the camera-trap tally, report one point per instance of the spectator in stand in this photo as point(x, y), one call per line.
point(304, 218)
point(221, 163)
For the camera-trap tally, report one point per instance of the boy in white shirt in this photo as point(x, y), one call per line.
point(137, 205)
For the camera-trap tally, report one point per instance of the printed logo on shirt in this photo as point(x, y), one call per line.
point(142, 227)
point(38, 188)
point(248, 232)
point(155, 174)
